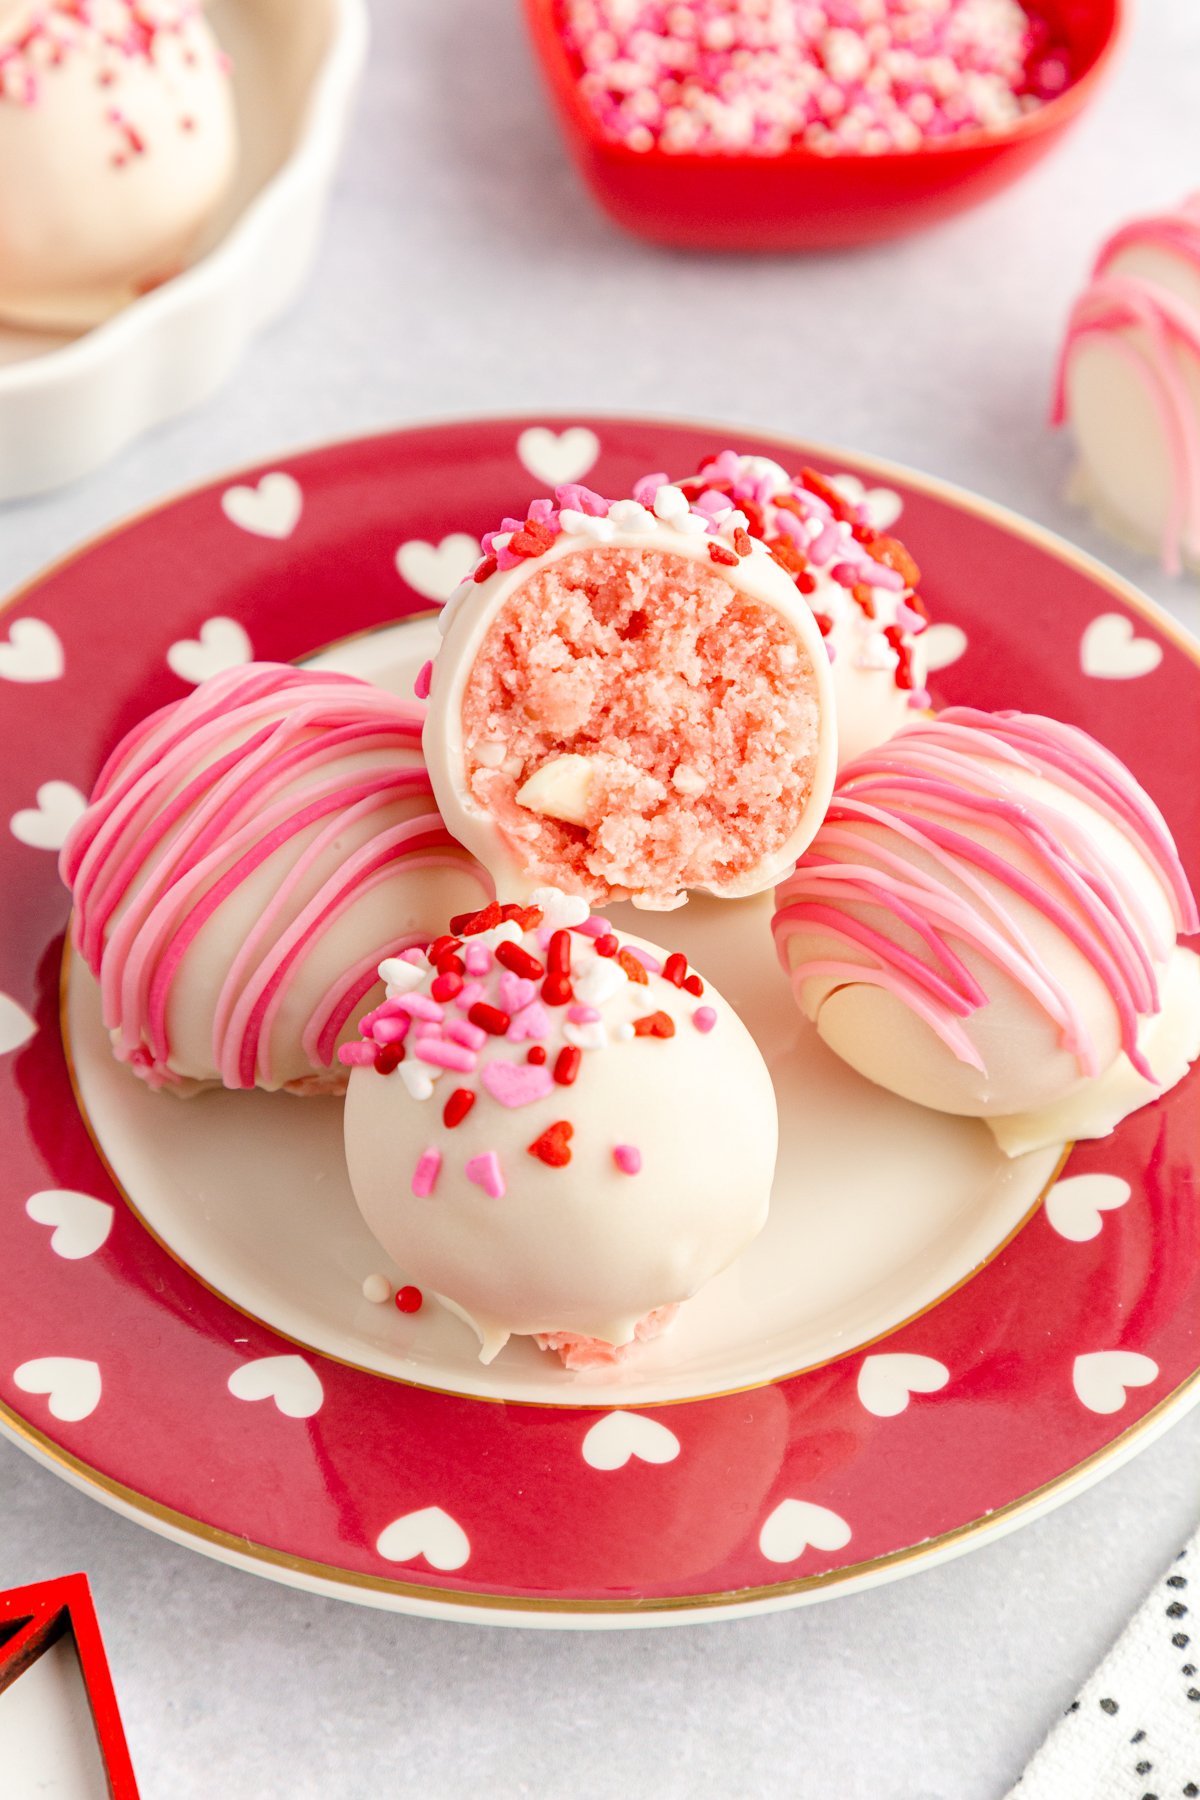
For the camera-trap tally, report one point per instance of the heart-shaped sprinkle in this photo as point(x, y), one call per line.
point(554, 1145)
point(515, 992)
point(517, 1084)
point(531, 1022)
point(485, 1172)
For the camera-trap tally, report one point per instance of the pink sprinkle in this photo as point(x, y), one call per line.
point(416, 957)
point(470, 994)
point(478, 959)
point(594, 927)
point(391, 1031)
point(421, 1007)
point(582, 1015)
point(422, 683)
point(648, 962)
point(515, 992)
point(461, 1031)
point(823, 547)
point(846, 575)
point(356, 1056)
point(908, 620)
point(628, 1159)
point(425, 1174)
point(441, 1054)
point(704, 1018)
point(532, 1021)
point(485, 1172)
point(920, 697)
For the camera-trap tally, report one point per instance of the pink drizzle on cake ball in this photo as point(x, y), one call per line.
point(249, 856)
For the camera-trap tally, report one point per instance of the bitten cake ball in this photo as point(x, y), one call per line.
point(987, 914)
point(859, 584)
point(1129, 384)
point(560, 1131)
point(248, 857)
point(117, 144)
point(631, 700)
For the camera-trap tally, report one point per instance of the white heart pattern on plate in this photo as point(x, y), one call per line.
point(220, 644)
point(435, 570)
point(883, 505)
point(612, 1440)
point(1075, 1207)
point(33, 652)
point(1101, 1377)
point(1110, 651)
point(272, 509)
point(557, 457)
point(81, 1222)
point(942, 645)
point(45, 826)
point(287, 1380)
point(430, 1533)
point(795, 1525)
point(72, 1384)
point(16, 1026)
point(886, 1383)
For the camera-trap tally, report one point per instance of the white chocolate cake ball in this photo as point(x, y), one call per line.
point(987, 915)
point(117, 145)
point(859, 584)
point(558, 1131)
point(1129, 385)
point(630, 701)
point(248, 856)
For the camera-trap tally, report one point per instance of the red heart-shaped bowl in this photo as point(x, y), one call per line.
point(798, 199)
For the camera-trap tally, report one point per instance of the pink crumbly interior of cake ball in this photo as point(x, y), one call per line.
point(578, 1352)
point(694, 704)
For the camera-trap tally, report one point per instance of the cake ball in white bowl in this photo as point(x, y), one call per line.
point(630, 701)
point(560, 1131)
point(248, 857)
point(117, 145)
point(1128, 384)
point(859, 583)
point(986, 924)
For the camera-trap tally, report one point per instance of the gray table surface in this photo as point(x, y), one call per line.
point(464, 270)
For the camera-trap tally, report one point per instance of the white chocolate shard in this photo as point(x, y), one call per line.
point(559, 789)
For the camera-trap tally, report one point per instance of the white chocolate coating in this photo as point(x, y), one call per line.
point(117, 144)
point(583, 1248)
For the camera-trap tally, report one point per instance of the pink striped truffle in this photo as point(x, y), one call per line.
point(249, 856)
point(987, 914)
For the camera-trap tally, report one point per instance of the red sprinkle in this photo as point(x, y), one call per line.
point(409, 1299)
point(444, 987)
point(443, 946)
point(553, 1147)
point(388, 1057)
point(489, 1018)
point(655, 1024)
point(536, 1053)
point(558, 954)
point(451, 965)
point(527, 917)
point(675, 968)
point(635, 970)
point(566, 1064)
point(457, 1107)
point(556, 990)
point(533, 539)
point(471, 924)
point(520, 961)
point(606, 945)
point(741, 541)
point(487, 567)
point(721, 553)
point(694, 985)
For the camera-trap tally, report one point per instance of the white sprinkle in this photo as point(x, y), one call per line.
point(671, 504)
point(377, 1289)
point(401, 977)
point(418, 1081)
point(560, 911)
point(630, 515)
point(592, 1036)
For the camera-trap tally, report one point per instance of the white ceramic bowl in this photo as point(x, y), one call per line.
point(69, 404)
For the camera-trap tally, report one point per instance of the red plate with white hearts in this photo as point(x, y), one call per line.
point(927, 1346)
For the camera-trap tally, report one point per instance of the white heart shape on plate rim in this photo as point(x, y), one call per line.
point(941, 645)
point(558, 456)
point(1075, 1207)
point(81, 1222)
point(33, 652)
point(430, 1533)
point(1101, 1377)
point(220, 644)
point(795, 1525)
point(287, 1380)
point(16, 1026)
point(45, 826)
point(272, 509)
point(612, 1440)
point(435, 570)
point(1110, 650)
point(72, 1384)
point(883, 504)
point(887, 1382)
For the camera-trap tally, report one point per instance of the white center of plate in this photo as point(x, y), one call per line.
point(879, 1209)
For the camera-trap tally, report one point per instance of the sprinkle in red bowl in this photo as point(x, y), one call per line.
point(812, 123)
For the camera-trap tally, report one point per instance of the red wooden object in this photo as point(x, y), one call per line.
point(799, 200)
point(31, 1619)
